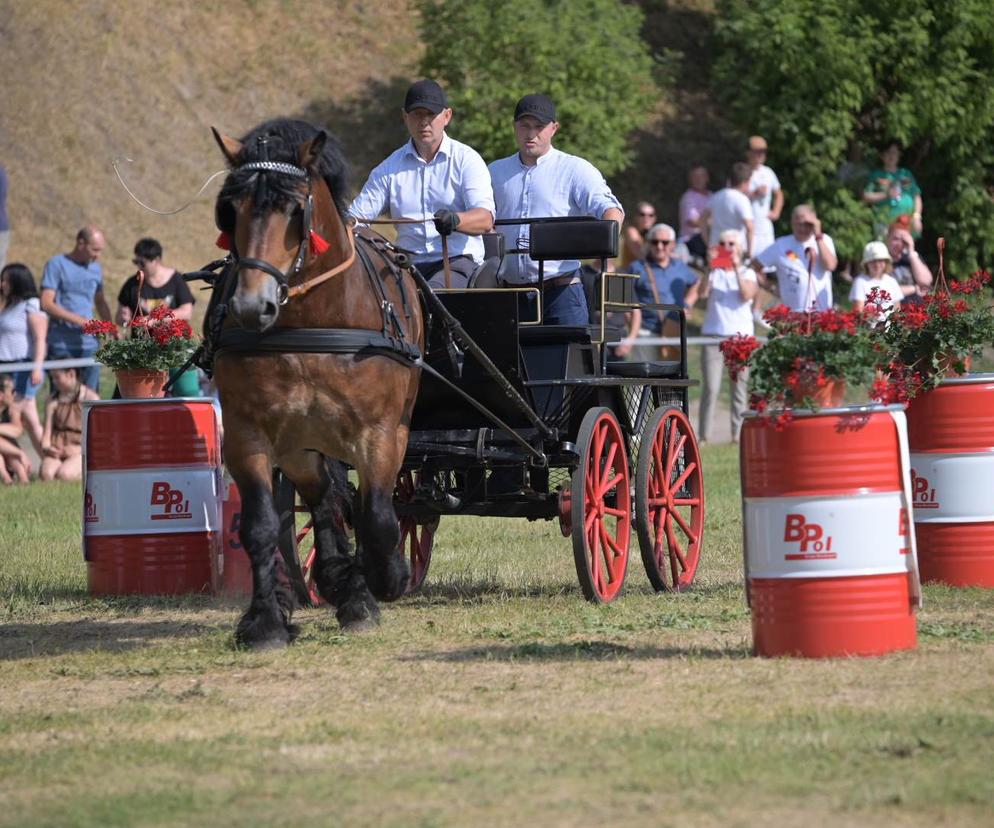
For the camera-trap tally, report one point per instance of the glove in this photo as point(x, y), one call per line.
point(446, 221)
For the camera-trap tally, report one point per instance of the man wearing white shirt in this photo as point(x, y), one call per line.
point(764, 193)
point(442, 182)
point(730, 209)
point(541, 181)
point(791, 256)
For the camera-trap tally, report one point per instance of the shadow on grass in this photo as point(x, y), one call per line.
point(585, 650)
point(27, 640)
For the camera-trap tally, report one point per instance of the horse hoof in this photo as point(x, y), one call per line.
point(264, 632)
point(359, 616)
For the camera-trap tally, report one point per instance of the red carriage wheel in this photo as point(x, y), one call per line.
point(416, 537)
point(601, 507)
point(669, 500)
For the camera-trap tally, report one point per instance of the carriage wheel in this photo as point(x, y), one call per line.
point(296, 540)
point(669, 500)
point(601, 507)
point(416, 538)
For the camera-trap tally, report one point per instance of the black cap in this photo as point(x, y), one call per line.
point(539, 107)
point(426, 94)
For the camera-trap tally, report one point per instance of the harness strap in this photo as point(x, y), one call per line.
point(304, 287)
point(318, 341)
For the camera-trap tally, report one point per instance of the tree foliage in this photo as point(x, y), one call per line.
point(830, 81)
point(587, 55)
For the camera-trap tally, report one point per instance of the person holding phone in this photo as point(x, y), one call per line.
point(908, 267)
point(729, 289)
point(803, 261)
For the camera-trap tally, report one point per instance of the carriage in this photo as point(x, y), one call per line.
point(515, 418)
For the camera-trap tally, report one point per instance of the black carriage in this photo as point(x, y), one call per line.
point(516, 418)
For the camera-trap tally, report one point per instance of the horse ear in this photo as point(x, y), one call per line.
point(310, 152)
point(229, 146)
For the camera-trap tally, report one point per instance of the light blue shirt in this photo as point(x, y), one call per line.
point(407, 186)
point(75, 286)
point(558, 185)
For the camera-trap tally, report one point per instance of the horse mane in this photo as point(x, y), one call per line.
point(285, 136)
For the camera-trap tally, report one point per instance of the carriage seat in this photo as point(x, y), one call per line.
point(670, 369)
point(487, 274)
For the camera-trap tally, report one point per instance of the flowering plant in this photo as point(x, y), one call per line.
point(937, 335)
point(157, 342)
point(807, 353)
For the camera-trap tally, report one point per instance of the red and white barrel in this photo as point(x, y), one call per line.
point(951, 437)
point(152, 496)
point(829, 552)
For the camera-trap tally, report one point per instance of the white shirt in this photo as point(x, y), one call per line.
point(763, 229)
point(728, 313)
point(407, 186)
point(887, 284)
point(730, 210)
point(558, 185)
point(788, 256)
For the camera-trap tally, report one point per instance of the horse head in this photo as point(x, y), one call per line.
point(273, 207)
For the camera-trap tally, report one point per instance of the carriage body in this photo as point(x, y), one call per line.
point(574, 421)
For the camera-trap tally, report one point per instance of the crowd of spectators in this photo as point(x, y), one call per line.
point(47, 324)
point(727, 255)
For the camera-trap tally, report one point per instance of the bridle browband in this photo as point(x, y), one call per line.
point(284, 290)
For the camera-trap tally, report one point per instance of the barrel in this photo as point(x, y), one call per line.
point(951, 438)
point(152, 496)
point(829, 550)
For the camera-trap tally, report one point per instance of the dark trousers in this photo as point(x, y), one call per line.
point(461, 266)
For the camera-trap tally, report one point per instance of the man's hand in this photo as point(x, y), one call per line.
point(446, 221)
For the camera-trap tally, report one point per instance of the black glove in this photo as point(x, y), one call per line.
point(446, 221)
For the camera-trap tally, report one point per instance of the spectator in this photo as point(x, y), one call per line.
point(662, 280)
point(540, 180)
point(71, 286)
point(730, 209)
point(876, 265)
point(437, 179)
point(908, 268)
point(62, 443)
point(23, 328)
point(14, 463)
point(893, 194)
point(162, 286)
point(633, 235)
point(793, 255)
point(764, 194)
point(730, 288)
point(693, 203)
point(4, 220)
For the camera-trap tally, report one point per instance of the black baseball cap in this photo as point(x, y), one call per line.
point(539, 107)
point(426, 94)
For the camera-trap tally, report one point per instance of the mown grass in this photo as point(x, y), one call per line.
point(498, 696)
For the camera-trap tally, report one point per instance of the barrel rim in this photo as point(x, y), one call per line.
point(155, 400)
point(842, 410)
point(967, 379)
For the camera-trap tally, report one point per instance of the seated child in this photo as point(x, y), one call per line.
point(62, 441)
point(14, 463)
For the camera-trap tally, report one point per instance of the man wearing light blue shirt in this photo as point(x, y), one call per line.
point(540, 181)
point(441, 182)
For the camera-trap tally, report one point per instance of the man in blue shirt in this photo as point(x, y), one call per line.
point(539, 180)
point(441, 182)
point(662, 280)
point(71, 285)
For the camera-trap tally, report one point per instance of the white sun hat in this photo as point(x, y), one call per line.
point(875, 251)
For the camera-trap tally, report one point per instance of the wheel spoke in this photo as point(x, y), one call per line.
point(686, 473)
point(689, 501)
point(610, 484)
point(684, 526)
point(674, 454)
point(607, 547)
point(676, 553)
point(618, 513)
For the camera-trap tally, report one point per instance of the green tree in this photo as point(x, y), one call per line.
point(829, 81)
point(587, 55)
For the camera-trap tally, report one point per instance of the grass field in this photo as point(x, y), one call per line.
point(496, 697)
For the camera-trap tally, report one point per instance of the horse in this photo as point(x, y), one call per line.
point(337, 377)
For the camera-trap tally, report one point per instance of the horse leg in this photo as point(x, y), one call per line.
point(266, 622)
point(323, 484)
point(376, 527)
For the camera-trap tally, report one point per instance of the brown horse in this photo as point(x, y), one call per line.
point(335, 379)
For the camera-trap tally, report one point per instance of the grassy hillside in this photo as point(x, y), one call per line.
point(88, 84)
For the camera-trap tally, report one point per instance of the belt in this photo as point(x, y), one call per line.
point(564, 281)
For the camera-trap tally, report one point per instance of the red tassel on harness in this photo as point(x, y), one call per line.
point(223, 241)
point(317, 244)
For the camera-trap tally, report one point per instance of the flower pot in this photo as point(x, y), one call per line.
point(829, 395)
point(140, 383)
